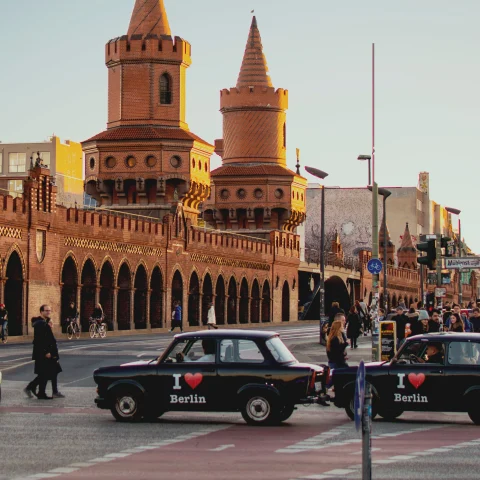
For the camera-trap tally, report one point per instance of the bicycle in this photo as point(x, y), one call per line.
point(5, 334)
point(73, 329)
point(97, 328)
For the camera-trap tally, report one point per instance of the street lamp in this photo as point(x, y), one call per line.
point(369, 158)
point(322, 175)
point(456, 211)
point(385, 194)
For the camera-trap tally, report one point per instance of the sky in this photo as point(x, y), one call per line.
point(53, 79)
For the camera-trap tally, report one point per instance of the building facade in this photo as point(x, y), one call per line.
point(64, 160)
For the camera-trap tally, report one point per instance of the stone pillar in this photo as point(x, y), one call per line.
point(225, 310)
point(2, 290)
point(132, 308)
point(200, 309)
point(237, 311)
point(147, 320)
point(115, 300)
point(25, 327)
point(249, 313)
point(97, 293)
point(260, 310)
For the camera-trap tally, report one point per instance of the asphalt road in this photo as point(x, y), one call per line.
point(70, 438)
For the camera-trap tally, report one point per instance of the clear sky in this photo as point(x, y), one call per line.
point(53, 80)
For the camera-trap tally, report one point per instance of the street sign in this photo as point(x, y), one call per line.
point(440, 292)
point(425, 238)
point(374, 266)
point(359, 395)
point(465, 262)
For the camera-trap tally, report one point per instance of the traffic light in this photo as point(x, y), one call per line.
point(449, 245)
point(431, 254)
point(430, 303)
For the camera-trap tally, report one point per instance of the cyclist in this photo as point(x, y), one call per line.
point(97, 314)
point(3, 321)
point(72, 314)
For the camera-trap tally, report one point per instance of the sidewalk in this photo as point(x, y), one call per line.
point(24, 339)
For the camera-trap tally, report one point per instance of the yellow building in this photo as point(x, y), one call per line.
point(65, 161)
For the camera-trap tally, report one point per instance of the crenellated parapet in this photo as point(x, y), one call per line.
point(255, 96)
point(151, 48)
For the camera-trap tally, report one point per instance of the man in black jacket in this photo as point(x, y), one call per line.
point(401, 320)
point(39, 354)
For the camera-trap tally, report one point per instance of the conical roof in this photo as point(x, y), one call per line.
point(381, 236)
point(407, 242)
point(254, 66)
point(149, 17)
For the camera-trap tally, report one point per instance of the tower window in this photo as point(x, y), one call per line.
point(165, 89)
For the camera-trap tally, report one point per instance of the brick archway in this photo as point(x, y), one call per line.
point(220, 301)
point(156, 299)
point(124, 283)
point(207, 290)
point(243, 310)
point(232, 301)
point(87, 296)
point(69, 286)
point(177, 292)
point(14, 294)
point(107, 282)
point(255, 305)
point(266, 302)
point(193, 299)
point(140, 298)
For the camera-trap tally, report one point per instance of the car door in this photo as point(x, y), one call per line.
point(462, 372)
point(413, 384)
point(188, 377)
point(241, 364)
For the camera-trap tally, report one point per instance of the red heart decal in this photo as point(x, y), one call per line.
point(416, 379)
point(193, 380)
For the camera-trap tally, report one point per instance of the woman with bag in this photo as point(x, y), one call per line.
point(354, 327)
point(211, 320)
point(336, 345)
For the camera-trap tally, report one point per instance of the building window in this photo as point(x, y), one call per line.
point(15, 188)
point(241, 193)
point(92, 163)
point(110, 162)
point(165, 89)
point(130, 162)
point(16, 162)
point(258, 193)
point(224, 194)
point(278, 193)
point(175, 161)
point(150, 161)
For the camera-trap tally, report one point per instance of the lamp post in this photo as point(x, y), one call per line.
point(369, 158)
point(385, 194)
point(322, 175)
point(456, 211)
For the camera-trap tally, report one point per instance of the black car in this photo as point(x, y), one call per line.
point(437, 372)
point(213, 371)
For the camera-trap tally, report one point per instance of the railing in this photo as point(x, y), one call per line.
point(331, 259)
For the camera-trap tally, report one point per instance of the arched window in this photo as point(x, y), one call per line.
point(165, 89)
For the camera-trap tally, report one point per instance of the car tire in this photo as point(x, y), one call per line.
point(127, 405)
point(260, 409)
point(286, 412)
point(350, 408)
point(473, 411)
point(390, 414)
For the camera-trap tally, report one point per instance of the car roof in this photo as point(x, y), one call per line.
point(230, 333)
point(444, 336)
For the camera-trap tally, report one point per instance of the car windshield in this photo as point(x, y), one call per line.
point(411, 348)
point(280, 351)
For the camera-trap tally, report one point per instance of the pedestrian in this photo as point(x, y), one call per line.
point(52, 364)
point(467, 325)
point(475, 319)
point(434, 324)
point(177, 316)
point(362, 311)
point(334, 309)
point(354, 327)
point(211, 320)
point(39, 354)
point(401, 321)
point(412, 320)
point(3, 321)
point(401, 304)
point(337, 344)
point(420, 327)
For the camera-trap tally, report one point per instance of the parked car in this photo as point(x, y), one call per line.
point(216, 371)
point(435, 372)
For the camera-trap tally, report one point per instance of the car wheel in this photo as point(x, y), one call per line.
point(390, 414)
point(286, 412)
point(127, 405)
point(473, 411)
point(260, 409)
point(350, 406)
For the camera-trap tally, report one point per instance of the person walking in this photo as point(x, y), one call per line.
point(52, 364)
point(475, 319)
point(401, 321)
point(39, 354)
point(455, 323)
point(354, 327)
point(3, 321)
point(334, 309)
point(337, 344)
point(211, 320)
point(362, 311)
point(177, 316)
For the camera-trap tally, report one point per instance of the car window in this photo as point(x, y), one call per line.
point(195, 350)
point(240, 351)
point(412, 348)
point(280, 351)
point(464, 353)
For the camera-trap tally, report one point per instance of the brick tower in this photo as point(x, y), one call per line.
point(390, 245)
point(407, 253)
point(147, 161)
point(254, 190)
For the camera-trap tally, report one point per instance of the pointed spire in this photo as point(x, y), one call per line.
point(149, 17)
point(254, 66)
point(381, 236)
point(407, 242)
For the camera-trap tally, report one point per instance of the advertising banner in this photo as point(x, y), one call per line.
point(388, 340)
